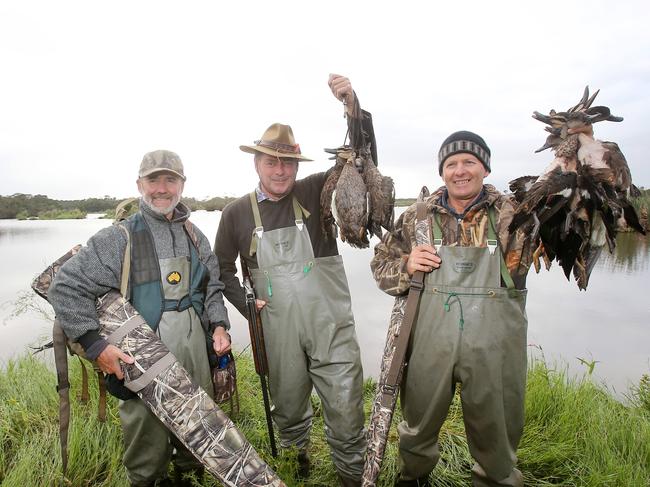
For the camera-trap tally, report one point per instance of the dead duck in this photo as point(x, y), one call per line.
point(351, 202)
point(577, 205)
point(356, 198)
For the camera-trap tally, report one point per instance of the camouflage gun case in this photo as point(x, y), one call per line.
point(169, 392)
point(393, 359)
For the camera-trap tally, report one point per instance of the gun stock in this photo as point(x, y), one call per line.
point(255, 330)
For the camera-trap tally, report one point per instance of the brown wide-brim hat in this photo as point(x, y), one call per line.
point(277, 141)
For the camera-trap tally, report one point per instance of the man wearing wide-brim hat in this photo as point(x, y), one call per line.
point(303, 294)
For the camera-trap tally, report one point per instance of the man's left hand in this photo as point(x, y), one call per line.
point(342, 89)
point(221, 340)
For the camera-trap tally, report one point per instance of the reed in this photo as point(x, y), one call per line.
point(576, 433)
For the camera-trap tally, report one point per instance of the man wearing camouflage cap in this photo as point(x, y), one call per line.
point(174, 280)
point(471, 325)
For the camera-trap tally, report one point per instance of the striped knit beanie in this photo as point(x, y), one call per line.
point(464, 141)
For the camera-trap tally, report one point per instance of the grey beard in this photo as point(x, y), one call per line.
point(161, 211)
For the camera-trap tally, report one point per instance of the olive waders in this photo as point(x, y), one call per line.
point(470, 330)
point(310, 341)
point(148, 443)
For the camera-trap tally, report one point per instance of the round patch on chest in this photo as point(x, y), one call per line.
point(173, 278)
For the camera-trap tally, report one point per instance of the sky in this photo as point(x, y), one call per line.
point(86, 88)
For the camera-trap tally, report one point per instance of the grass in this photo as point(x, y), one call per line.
point(74, 214)
point(642, 201)
point(576, 434)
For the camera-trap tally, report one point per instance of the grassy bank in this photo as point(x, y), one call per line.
point(576, 434)
point(74, 214)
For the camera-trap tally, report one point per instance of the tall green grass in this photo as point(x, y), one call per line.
point(576, 434)
point(642, 201)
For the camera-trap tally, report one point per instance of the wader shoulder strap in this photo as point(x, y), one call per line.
point(298, 212)
point(492, 237)
point(412, 302)
point(189, 228)
point(437, 230)
point(259, 229)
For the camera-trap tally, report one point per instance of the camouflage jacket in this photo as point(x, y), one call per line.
point(391, 254)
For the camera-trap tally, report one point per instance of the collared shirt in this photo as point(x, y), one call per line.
point(261, 195)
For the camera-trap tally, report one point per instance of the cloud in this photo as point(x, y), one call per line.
point(89, 88)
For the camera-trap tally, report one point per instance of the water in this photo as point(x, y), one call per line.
point(609, 323)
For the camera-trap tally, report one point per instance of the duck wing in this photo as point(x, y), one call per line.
point(546, 195)
point(520, 186)
point(327, 221)
point(388, 210)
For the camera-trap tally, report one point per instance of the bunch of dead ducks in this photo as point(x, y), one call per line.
point(581, 200)
point(356, 198)
point(569, 213)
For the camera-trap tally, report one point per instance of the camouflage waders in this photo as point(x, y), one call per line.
point(310, 342)
point(472, 331)
point(148, 444)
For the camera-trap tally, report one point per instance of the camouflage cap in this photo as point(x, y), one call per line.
point(161, 160)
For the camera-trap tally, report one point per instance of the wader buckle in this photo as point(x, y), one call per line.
point(491, 245)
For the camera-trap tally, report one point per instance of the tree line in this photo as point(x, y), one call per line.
point(25, 206)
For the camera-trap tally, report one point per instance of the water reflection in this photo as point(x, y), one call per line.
point(630, 256)
point(608, 323)
point(18, 231)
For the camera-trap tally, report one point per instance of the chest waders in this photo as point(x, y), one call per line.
point(310, 340)
point(167, 293)
point(470, 330)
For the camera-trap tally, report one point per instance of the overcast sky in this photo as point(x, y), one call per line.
point(86, 88)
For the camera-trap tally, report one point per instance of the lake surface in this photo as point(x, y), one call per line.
point(609, 323)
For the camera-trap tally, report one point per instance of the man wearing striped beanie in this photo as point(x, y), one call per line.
point(464, 142)
point(470, 330)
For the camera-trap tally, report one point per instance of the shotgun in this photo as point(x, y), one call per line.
point(259, 350)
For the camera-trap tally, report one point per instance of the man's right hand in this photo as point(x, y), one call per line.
point(422, 258)
point(259, 304)
point(109, 361)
